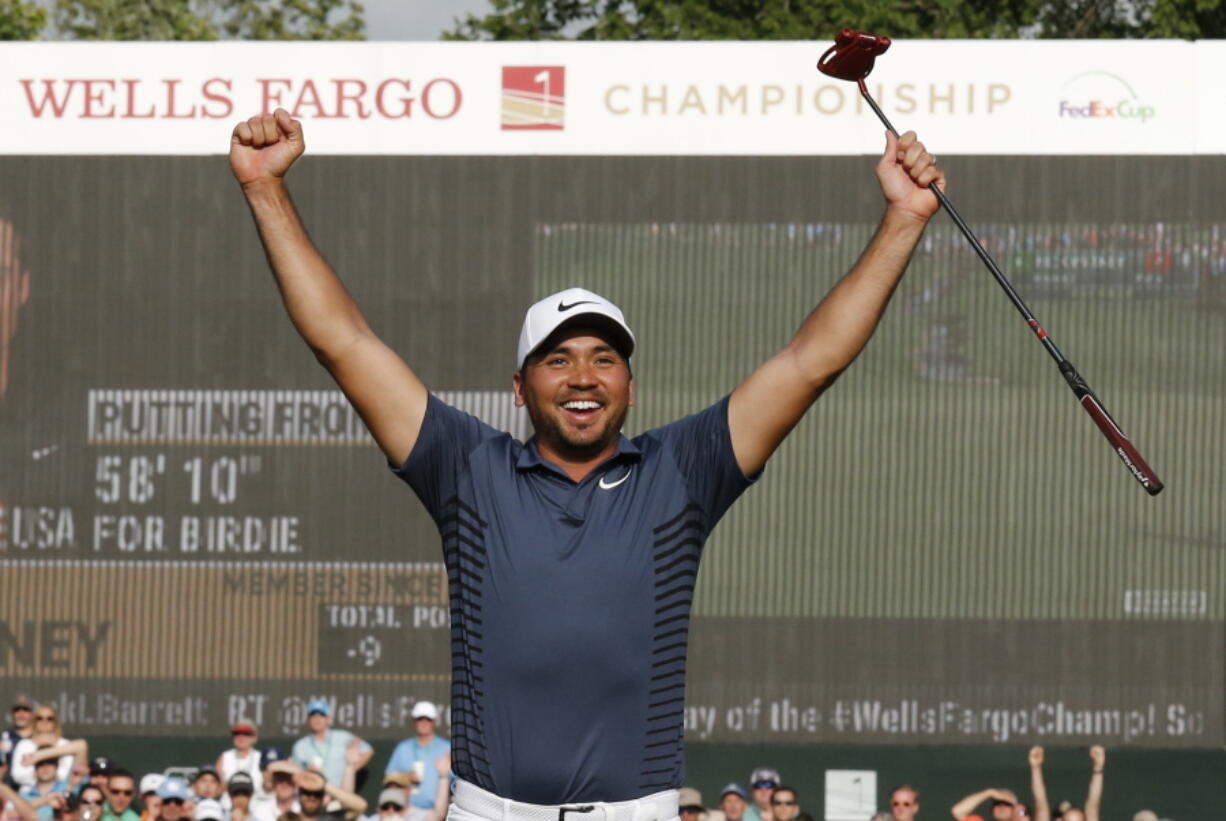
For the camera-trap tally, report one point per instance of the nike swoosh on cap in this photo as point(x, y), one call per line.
point(562, 306)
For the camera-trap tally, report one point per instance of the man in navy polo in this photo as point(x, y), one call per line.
point(572, 557)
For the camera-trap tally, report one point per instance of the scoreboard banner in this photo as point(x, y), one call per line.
point(195, 528)
point(1001, 97)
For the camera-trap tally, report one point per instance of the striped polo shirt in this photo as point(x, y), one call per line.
point(570, 602)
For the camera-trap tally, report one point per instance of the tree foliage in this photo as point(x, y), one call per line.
point(210, 19)
point(741, 19)
point(21, 20)
point(820, 19)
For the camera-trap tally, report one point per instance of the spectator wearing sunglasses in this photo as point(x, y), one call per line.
point(392, 802)
point(762, 782)
point(120, 793)
point(173, 794)
point(409, 812)
point(692, 808)
point(46, 725)
point(784, 804)
point(904, 803)
point(322, 801)
point(242, 757)
point(91, 803)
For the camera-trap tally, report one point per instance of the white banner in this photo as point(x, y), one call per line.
point(963, 97)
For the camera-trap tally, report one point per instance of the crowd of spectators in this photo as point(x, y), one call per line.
point(47, 777)
point(768, 798)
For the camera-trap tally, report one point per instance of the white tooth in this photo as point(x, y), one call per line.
point(581, 405)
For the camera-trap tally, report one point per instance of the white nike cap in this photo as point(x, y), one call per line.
point(574, 306)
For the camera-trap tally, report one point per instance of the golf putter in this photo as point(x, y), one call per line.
point(851, 58)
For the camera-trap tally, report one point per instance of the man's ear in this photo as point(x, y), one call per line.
point(631, 401)
point(517, 383)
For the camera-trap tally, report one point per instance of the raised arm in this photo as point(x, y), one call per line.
point(768, 404)
point(442, 791)
point(77, 748)
point(967, 805)
point(1094, 798)
point(387, 395)
point(1042, 809)
point(352, 803)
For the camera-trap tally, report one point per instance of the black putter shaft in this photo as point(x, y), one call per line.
point(1120, 443)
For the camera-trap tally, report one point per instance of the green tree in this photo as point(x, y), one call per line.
point(1187, 19)
point(742, 19)
point(294, 19)
point(21, 20)
point(210, 19)
point(820, 19)
point(131, 20)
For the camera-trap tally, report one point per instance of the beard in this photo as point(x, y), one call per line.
point(583, 444)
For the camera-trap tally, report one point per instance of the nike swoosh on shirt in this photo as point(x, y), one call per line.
point(610, 485)
point(562, 306)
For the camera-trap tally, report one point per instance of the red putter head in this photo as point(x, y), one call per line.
point(851, 57)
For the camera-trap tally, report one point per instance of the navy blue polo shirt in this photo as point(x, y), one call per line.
point(570, 602)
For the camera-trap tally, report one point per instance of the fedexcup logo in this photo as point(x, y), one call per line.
point(1101, 95)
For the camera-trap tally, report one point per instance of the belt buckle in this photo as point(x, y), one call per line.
point(583, 808)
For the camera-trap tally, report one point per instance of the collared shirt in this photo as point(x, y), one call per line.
point(409, 752)
point(330, 752)
point(570, 601)
point(30, 792)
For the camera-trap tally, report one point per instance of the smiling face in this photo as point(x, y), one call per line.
point(577, 389)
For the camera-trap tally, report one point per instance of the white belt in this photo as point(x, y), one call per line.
point(661, 806)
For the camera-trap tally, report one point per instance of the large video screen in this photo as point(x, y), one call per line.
point(195, 527)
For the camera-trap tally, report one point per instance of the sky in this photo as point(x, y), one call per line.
point(416, 19)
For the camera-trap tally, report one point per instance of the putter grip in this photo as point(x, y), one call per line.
point(1123, 447)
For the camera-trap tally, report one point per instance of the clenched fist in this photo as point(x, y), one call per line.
point(264, 147)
